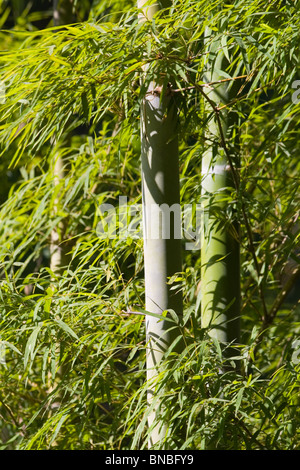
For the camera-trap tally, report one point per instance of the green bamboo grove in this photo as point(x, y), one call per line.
point(149, 244)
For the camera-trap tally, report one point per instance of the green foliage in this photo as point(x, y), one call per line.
point(73, 365)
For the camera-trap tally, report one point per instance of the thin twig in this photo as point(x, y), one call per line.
point(283, 294)
point(252, 438)
point(274, 309)
point(208, 85)
point(9, 411)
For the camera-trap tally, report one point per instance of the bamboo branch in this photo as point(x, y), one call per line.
point(208, 85)
point(282, 295)
point(246, 95)
point(14, 420)
point(269, 318)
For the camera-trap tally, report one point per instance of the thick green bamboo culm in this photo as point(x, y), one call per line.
point(220, 250)
point(162, 244)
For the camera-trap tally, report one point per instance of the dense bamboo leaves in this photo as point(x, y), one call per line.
point(45, 95)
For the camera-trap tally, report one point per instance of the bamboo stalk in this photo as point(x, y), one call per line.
point(59, 257)
point(220, 252)
point(162, 236)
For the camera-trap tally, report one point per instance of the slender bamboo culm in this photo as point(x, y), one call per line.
point(62, 14)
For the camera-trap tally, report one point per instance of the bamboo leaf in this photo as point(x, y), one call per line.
point(10, 346)
point(30, 345)
point(66, 328)
point(239, 398)
point(57, 427)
